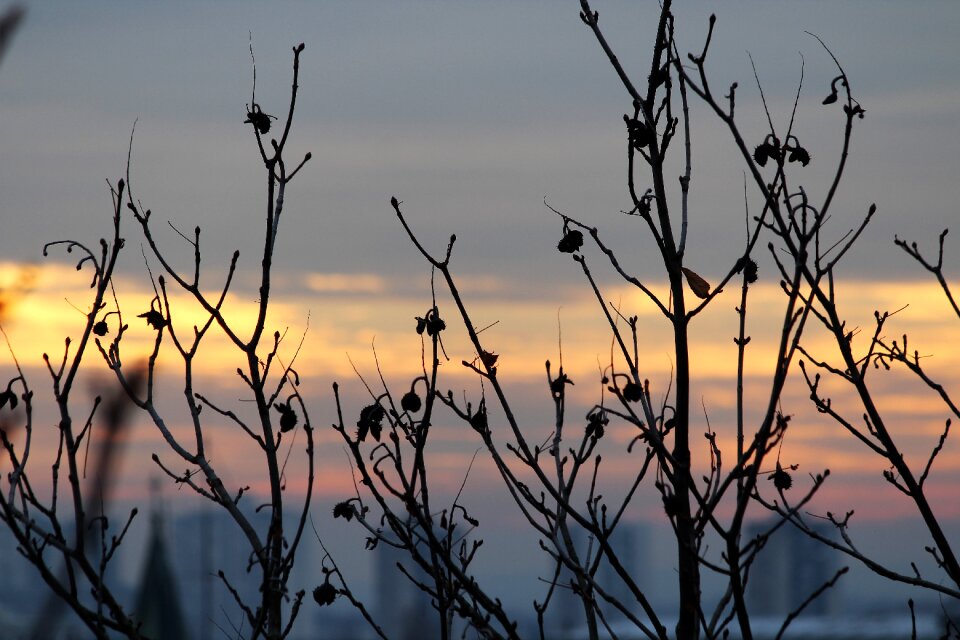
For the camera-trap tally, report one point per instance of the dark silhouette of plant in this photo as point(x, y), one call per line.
point(67, 540)
point(266, 379)
point(554, 483)
point(701, 501)
point(76, 533)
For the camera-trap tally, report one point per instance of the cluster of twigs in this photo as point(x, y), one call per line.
point(806, 263)
point(67, 535)
point(77, 535)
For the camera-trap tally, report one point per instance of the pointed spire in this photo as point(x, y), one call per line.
point(158, 599)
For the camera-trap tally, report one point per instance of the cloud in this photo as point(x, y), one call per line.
point(16, 281)
point(342, 317)
point(345, 283)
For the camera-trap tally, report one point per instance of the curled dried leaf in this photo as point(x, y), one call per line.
point(344, 510)
point(489, 359)
point(259, 119)
point(571, 241)
point(154, 318)
point(478, 421)
point(288, 417)
point(699, 286)
point(325, 594)
point(632, 392)
point(8, 396)
point(370, 421)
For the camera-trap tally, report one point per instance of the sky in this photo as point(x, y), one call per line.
point(472, 114)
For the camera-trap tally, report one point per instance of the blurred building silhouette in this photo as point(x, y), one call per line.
point(206, 541)
point(404, 611)
point(789, 568)
point(20, 589)
point(158, 606)
point(629, 542)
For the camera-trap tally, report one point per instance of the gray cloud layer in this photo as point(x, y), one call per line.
point(469, 112)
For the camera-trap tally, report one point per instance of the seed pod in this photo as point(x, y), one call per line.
point(411, 402)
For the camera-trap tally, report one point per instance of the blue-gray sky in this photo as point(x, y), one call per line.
point(469, 112)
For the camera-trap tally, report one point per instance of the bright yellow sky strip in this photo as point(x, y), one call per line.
point(346, 314)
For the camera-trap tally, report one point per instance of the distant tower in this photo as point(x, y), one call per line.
point(789, 568)
point(158, 600)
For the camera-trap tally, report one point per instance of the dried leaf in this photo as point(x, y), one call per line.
point(8, 396)
point(259, 119)
point(639, 134)
point(632, 392)
point(344, 510)
point(557, 386)
point(488, 358)
point(370, 420)
point(154, 318)
point(479, 419)
point(699, 286)
point(288, 417)
point(435, 326)
point(596, 421)
point(325, 594)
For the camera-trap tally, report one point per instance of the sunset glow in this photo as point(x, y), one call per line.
point(338, 324)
